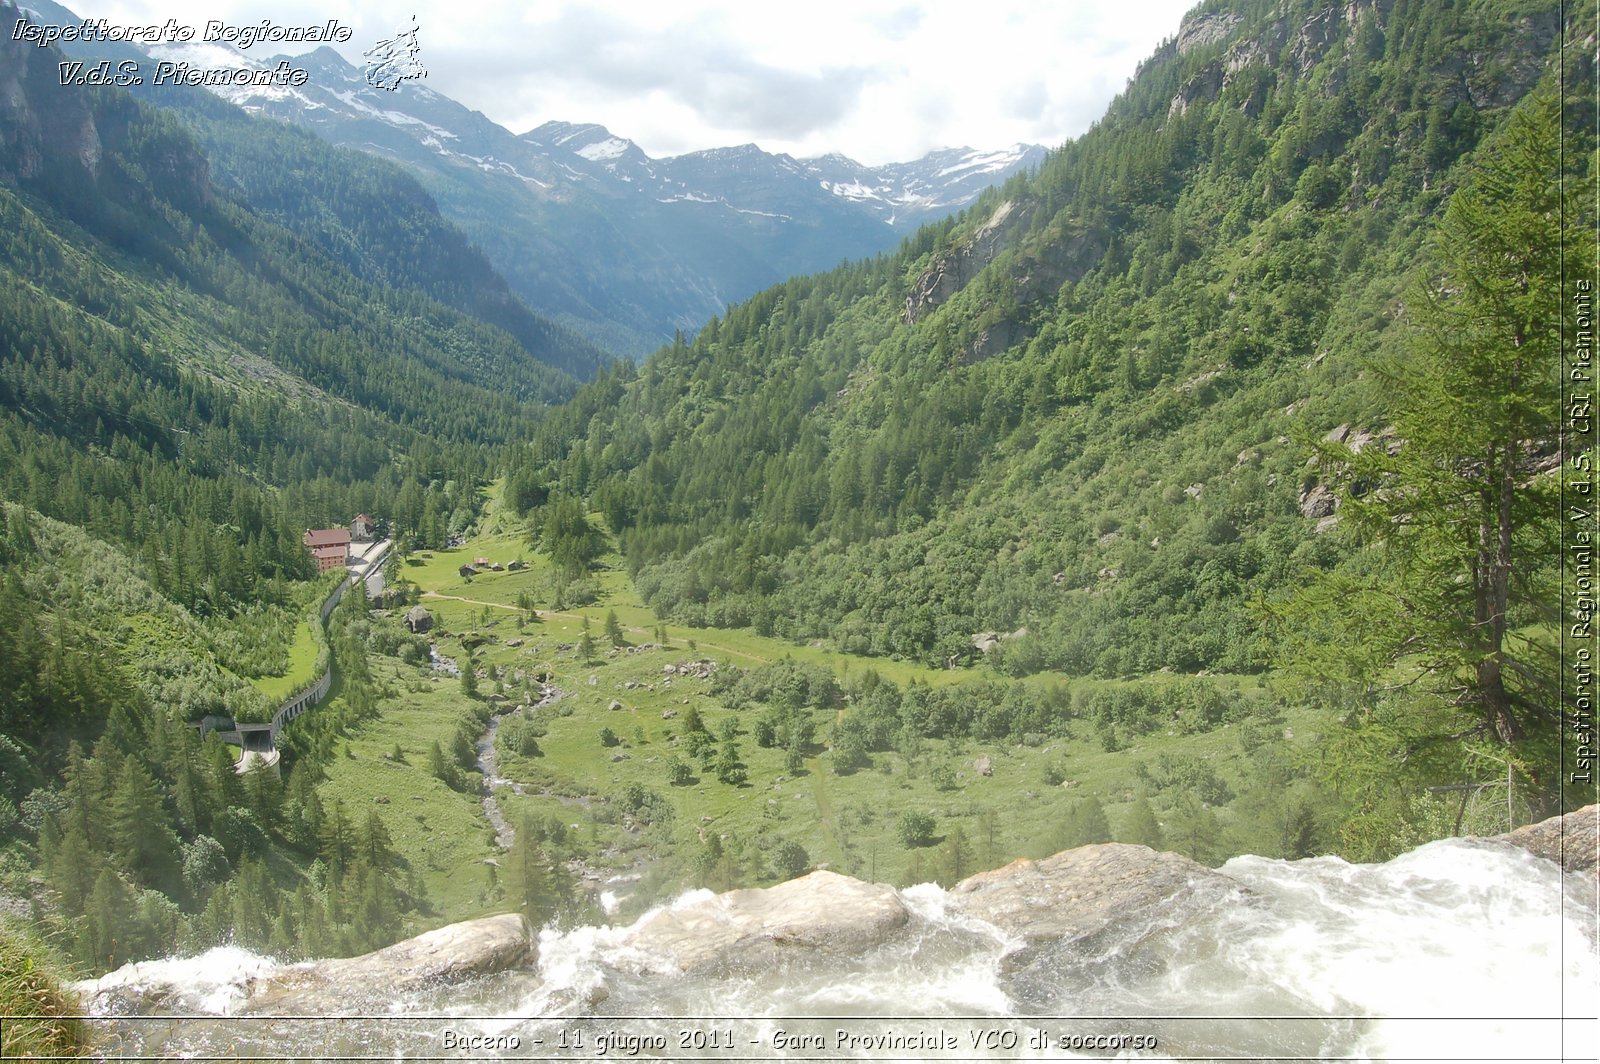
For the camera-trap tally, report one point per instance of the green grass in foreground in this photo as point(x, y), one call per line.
point(35, 994)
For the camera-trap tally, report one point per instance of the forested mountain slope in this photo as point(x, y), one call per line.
point(181, 374)
point(1078, 417)
point(372, 217)
point(186, 385)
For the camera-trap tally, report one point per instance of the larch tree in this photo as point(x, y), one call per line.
point(1459, 503)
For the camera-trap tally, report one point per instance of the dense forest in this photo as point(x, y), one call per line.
point(189, 378)
point(1076, 430)
point(186, 377)
point(1092, 436)
point(1245, 402)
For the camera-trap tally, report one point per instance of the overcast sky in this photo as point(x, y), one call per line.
point(878, 80)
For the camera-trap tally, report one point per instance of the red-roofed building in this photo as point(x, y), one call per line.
point(329, 546)
point(361, 528)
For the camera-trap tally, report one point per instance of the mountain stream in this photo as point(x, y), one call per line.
point(1462, 950)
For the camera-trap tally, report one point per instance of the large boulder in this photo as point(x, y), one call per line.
point(1571, 841)
point(821, 913)
point(445, 955)
point(1078, 894)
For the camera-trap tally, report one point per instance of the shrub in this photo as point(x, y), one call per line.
point(915, 829)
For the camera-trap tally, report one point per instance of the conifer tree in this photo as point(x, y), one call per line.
point(141, 834)
point(375, 845)
point(441, 766)
point(374, 906)
point(538, 887)
point(337, 844)
point(1085, 824)
point(794, 754)
point(73, 866)
point(957, 856)
point(1457, 503)
point(264, 794)
point(104, 929)
point(1143, 827)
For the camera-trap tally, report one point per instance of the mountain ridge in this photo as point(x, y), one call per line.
point(622, 248)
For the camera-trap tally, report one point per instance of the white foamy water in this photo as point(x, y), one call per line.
point(1459, 951)
point(214, 982)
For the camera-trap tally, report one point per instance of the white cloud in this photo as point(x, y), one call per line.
point(878, 80)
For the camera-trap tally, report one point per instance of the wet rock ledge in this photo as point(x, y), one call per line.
point(444, 955)
point(1069, 900)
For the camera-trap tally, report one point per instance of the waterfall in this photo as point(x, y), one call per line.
point(1461, 950)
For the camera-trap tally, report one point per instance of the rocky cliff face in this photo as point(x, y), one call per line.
point(35, 126)
point(1496, 77)
point(1036, 276)
point(951, 271)
point(88, 150)
point(446, 955)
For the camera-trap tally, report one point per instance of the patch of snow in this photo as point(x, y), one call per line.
point(490, 164)
point(579, 131)
point(242, 95)
point(853, 190)
point(983, 162)
point(394, 118)
point(611, 148)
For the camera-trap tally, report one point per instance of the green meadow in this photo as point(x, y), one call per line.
point(611, 785)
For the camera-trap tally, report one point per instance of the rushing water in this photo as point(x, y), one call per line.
point(1459, 951)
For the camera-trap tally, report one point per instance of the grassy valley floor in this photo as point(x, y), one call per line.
point(606, 779)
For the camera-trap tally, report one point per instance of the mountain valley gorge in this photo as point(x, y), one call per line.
point(1183, 522)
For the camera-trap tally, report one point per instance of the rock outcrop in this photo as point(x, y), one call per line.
point(823, 912)
point(1198, 31)
point(1078, 894)
point(1571, 841)
point(238, 981)
point(951, 271)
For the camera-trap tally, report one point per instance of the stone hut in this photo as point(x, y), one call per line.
point(418, 620)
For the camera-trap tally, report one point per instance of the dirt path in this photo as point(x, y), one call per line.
point(579, 617)
point(819, 794)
